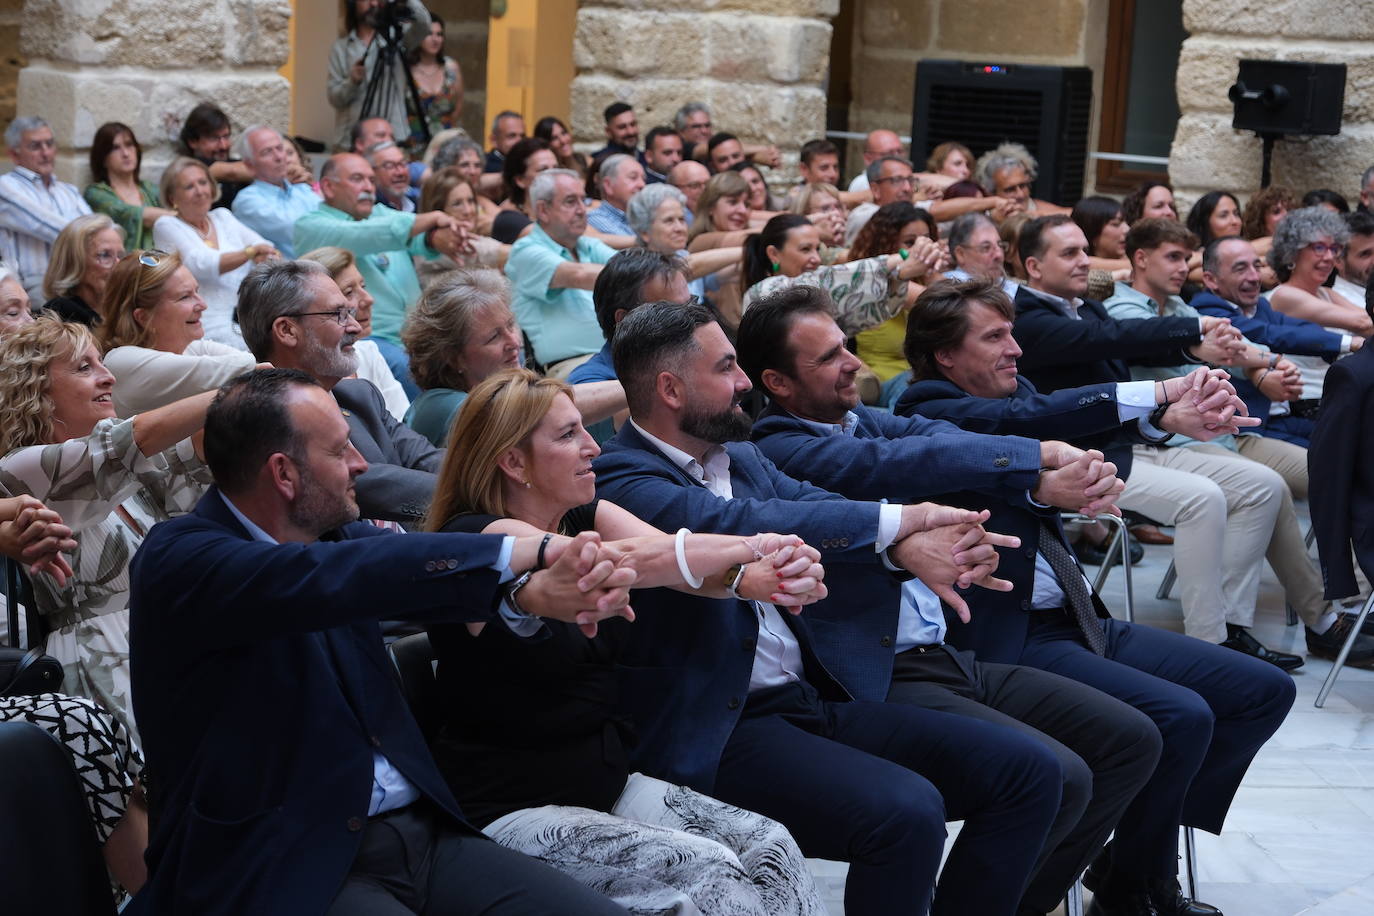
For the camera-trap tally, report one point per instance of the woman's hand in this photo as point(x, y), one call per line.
point(789, 577)
point(36, 536)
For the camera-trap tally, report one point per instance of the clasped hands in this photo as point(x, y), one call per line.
point(1203, 405)
point(36, 536)
point(948, 548)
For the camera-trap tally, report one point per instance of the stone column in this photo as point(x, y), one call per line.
point(148, 63)
point(759, 64)
point(1208, 155)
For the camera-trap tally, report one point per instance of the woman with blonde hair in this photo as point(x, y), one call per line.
point(822, 204)
point(153, 338)
point(217, 248)
point(519, 460)
point(85, 252)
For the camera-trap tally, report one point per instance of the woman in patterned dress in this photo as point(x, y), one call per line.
point(439, 83)
point(110, 480)
point(519, 460)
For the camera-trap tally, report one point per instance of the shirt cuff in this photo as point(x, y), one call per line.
point(1134, 400)
point(502, 564)
point(889, 525)
point(520, 624)
point(1154, 434)
point(1345, 343)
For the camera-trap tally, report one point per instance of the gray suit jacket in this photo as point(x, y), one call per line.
point(401, 464)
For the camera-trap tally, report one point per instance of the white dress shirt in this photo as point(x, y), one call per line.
point(32, 213)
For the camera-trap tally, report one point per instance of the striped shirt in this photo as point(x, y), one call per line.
point(31, 216)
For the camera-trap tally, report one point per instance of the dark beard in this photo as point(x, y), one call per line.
point(727, 426)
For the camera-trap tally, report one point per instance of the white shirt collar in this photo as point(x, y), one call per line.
point(717, 458)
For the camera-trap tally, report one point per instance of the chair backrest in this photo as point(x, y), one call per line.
point(18, 590)
point(414, 660)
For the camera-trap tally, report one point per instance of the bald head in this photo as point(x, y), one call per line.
point(880, 143)
point(689, 177)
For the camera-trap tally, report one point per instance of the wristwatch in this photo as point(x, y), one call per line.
point(733, 577)
point(514, 589)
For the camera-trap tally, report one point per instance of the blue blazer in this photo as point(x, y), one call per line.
point(685, 671)
point(261, 690)
point(1341, 481)
point(1279, 332)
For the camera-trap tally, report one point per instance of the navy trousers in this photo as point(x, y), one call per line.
point(1214, 708)
point(872, 784)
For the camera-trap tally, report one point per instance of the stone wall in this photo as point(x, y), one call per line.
point(11, 56)
point(758, 64)
point(128, 60)
point(1207, 154)
point(465, 40)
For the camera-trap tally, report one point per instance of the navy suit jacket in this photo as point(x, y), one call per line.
point(685, 671)
point(401, 464)
point(1341, 480)
point(261, 690)
point(1277, 331)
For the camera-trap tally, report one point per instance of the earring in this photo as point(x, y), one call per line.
point(776, 267)
point(528, 485)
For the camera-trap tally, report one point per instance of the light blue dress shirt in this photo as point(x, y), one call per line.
point(272, 210)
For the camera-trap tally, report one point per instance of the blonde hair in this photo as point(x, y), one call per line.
point(26, 358)
point(802, 205)
point(437, 328)
point(331, 258)
point(437, 188)
point(722, 184)
point(67, 262)
point(936, 160)
point(133, 285)
point(498, 415)
point(173, 172)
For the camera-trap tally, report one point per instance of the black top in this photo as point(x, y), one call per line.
point(530, 722)
point(74, 308)
point(508, 225)
point(227, 189)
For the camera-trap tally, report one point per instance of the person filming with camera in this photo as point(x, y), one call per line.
point(368, 74)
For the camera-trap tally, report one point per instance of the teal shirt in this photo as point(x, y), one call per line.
point(560, 321)
point(383, 246)
point(431, 414)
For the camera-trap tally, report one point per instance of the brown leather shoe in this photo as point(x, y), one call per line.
point(1150, 534)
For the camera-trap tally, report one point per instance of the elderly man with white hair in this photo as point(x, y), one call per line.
point(34, 205)
point(279, 194)
point(553, 270)
point(621, 178)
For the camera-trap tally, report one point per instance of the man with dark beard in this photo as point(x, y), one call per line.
point(294, 316)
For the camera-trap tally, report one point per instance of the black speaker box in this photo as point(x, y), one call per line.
point(1288, 97)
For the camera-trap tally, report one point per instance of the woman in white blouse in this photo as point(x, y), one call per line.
point(217, 248)
point(153, 335)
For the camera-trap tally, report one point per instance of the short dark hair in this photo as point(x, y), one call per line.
point(1031, 243)
point(620, 285)
point(1092, 214)
point(652, 339)
point(1133, 204)
point(657, 132)
point(1318, 196)
point(1149, 234)
point(517, 157)
point(615, 110)
point(717, 139)
point(103, 142)
point(939, 320)
point(1200, 217)
point(762, 340)
point(1360, 222)
point(248, 422)
point(205, 118)
point(813, 148)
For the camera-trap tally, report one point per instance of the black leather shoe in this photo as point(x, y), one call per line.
point(1090, 554)
point(1168, 900)
point(1239, 638)
point(1137, 904)
point(1328, 644)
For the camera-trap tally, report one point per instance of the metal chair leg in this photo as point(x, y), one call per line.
point(1190, 861)
point(1345, 651)
point(1292, 615)
point(1073, 900)
point(1118, 551)
point(1309, 537)
point(1167, 584)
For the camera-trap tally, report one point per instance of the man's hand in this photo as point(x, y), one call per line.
point(954, 550)
point(37, 537)
point(1281, 383)
point(1208, 388)
point(586, 582)
point(1056, 454)
point(299, 174)
point(766, 155)
point(1088, 485)
point(454, 242)
point(1221, 343)
point(358, 70)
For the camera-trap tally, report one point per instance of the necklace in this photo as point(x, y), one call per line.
point(203, 233)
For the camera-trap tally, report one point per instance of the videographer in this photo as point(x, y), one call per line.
point(382, 31)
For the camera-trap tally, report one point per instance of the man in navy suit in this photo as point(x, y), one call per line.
point(286, 773)
point(730, 697)
point(1214, 708)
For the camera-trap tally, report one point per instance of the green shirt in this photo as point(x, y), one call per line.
point(103, 199)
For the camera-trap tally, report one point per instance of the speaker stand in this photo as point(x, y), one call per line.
point(1266, 157)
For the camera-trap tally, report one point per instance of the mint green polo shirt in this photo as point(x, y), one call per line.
point(560, 321)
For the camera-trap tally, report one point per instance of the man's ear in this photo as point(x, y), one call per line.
point(287, 333)
point(776, 384)
point(944, 358)
point(284, 474)
point(1032, 268)
point(670, 390)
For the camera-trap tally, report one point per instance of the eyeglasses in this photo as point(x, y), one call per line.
point(691, 186)
point(342, 315)
point(987, 247)
point(149, 258)
point(1020, 186)
point(1321, 249)
point(897, 179)
point(107, 258)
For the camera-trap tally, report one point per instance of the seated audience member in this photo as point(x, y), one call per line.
point(879, 144)
point(117, 189)
point(865, 293)
point(630, 279)
point(721, 216)
point(278, 195)
point(662, 151)
point(330, 738)
point(1105, 227)
point(1327, 200)
point(622, 133)
point(690, 177)
point(110, 480)
point(507, 129)
point(815, 427)
point(15, 310)
point(380, 361)
point(85, 252)
point(391, 168)
point(382, 239)
point(1232, 276)
point(1307, 246)
point(1009, 172)
point(951, 160)
point(892, 230)
point(525, 160)
point(693, 122)
point(620, 177)
point(818, 163)
point(552, 271)
point(1214, 709)
point(34, 205)
point(723, 151)
point(560, 140)
point(722, 720)
point(1153, 199)
point(368, 133)
point(1354, 269)
point(448, 191)
point(295, 317)
point(466, 156)
point(153, 338)
point(1215, 215)
point(438, 86)
point(658, 217)
point(644, 843)
point(1263, 212)
point(760, 199)
point(821, 204)
point(977, 251)
point(891, 180)
point(217, 248)
point(205, 137)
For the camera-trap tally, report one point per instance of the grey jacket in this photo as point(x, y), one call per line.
point(401, 464)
